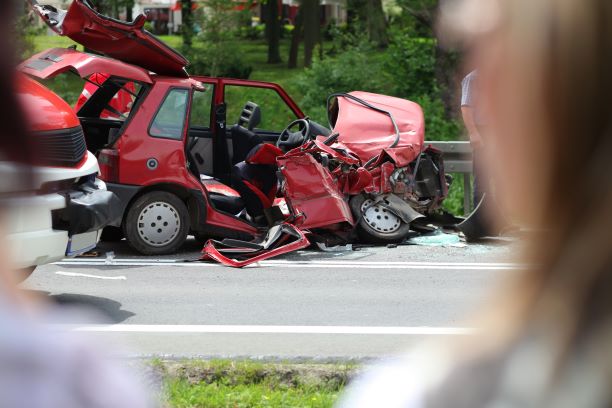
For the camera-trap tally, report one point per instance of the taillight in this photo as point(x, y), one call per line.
point(108, 159)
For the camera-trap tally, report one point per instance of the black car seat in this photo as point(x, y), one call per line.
point(243, 136)
point(257, 186)
point(255, 179)
point(223, 197)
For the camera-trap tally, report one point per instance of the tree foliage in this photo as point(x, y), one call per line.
point(114, 8)
point(368, 15)
point(212, 52)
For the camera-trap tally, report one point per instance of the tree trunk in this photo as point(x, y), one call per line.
point(377, 23)
point(447, 64)
point(312, 27)
point(296, 38)
point(187, 23)
point(356, 14)
point(273, 29)
point(128, 11)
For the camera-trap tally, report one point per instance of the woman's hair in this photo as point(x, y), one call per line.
point(16, 144)
point(547, 82)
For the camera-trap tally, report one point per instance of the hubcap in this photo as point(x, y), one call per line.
point(379, 218)
point(158, 224)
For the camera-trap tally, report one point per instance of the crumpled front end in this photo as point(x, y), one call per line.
point(370, 180)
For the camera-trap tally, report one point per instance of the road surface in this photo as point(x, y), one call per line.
point(373, 302)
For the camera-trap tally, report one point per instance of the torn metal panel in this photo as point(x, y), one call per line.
point(312, 192)
point(280, 239)
point(400, 208)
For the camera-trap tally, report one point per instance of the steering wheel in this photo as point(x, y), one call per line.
point(289, 140)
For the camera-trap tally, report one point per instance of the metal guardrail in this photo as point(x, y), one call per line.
point(458, 158)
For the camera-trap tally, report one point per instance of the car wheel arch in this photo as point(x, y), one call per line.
point(180, 191)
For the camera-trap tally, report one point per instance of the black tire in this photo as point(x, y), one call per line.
point(157, 223)
point(370, 234)
point(112, 234)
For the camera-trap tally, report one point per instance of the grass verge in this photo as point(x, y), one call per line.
point(224, 383)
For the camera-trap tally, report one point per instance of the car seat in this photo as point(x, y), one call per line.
point(255, 179)
point(243, 137)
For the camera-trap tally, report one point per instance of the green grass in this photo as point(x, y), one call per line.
point(226, 383)
point(43, 42)
point(184, 395)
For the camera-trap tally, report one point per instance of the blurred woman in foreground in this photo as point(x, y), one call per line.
point(546, 74)
point(40, 368)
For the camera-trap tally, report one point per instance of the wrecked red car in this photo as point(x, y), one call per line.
point(371, 177)
point(208, 156)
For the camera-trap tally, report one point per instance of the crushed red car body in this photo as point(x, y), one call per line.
point(371, 175)
point(181, 164)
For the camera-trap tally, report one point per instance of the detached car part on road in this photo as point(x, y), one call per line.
point(189, 156)
point(64, 213)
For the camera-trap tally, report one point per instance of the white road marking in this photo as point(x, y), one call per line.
point(86, 275)
point(305, 264)
point(174, 328)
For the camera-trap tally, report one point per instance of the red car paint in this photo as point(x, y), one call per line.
point(211, 252)
point(311, 191)
point(45, 110)
point(122, 41)
point(366, 132)
point(55, 61)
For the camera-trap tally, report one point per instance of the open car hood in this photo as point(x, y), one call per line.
point(127, 42)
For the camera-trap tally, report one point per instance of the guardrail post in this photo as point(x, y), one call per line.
point(458, 159)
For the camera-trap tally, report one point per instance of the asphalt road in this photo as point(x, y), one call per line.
point(373, 302)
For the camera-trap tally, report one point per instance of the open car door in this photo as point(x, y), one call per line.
point(127, 42)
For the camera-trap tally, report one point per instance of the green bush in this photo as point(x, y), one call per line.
point(454, 200)
point(218, 60)
point(437, 125)
point(287, 30)
point(412, 62)
point(149, 26)
point(253, 32)
point(25, 31)
point(350, 71)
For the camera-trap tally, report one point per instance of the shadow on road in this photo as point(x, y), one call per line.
point(85, 309)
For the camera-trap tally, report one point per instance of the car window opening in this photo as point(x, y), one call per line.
point(105, 106)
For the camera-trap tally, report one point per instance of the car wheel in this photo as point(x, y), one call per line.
point(112, 234)
point(376, 224)
point(157, 223)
